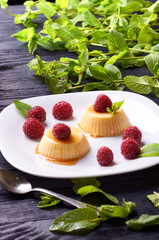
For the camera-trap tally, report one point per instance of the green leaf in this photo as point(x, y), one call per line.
point(76, 220)
point(155, 48)
point(47, 201)
point(154, 198)
point(81, 182)
point(29, 4)
point(115, 107)
point(62, 4)
point(83, 191)
point(83, 58)
point(91, 19)
point(154, 8)
point(23, 108)
point(100, 36)
point(57, 85)
point(144, 220)
point(4, 3)
point(116, 42)
point(114, 72)
point(149, 150)
point(111, 211)
point(99, 72)
point(25, 35)
point(47, 8)
point(152, 62)
point(143, 85)
point(131, 7)
point(114, 58)
point(46, 42)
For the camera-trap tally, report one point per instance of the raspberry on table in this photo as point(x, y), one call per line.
point(132, 132)
point(101, 103)
point(62, 110)
point(130, 148)
point(61, 131)
point(37, 112)
point(33, 128)
point(105, 156)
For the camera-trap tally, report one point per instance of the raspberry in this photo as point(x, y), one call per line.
point(33, 128)
point(101, 103)
point(130, 148)
point(133, 132)
point(104, 156)
point(38, 113)
point(62, 110)
point(61, 131)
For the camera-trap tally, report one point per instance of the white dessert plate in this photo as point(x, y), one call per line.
point(19, 150)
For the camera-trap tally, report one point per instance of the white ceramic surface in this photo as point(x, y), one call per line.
point(19, 150)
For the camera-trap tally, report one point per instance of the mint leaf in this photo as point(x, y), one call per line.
point(115, 107)
point(83, 191)
point(154, 198)
point(111, 211)
point(23, 108)
point(144, 220)
point(81, 182)
point(76, 220)
point(116, 42)
point(47, 8)
point(152, 62)
point(47, 201)
point(25, 35)
point(91, 19)
point(149, 150)
point(4, 3)
point(143, 85)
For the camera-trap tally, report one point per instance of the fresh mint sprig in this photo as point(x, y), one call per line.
point(115, 107)
point(126, 38)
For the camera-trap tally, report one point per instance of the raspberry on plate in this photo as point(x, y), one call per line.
point(130, 148)
point(37, 112)
point(101, 103)
point(105, 156)
point(132, 132)
point(62, 110)
point(33, 128)
point(61, 131)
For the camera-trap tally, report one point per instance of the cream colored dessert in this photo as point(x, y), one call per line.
point(66, 152)
point(103, 124)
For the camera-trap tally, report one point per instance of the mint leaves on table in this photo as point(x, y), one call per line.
point(47, 201)
point(83, 191)
point(154, 198)
point(76, 220)
point(125, 31)
point(22, 107)
point(144, 220)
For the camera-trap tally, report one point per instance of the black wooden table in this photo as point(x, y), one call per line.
point(19, 216)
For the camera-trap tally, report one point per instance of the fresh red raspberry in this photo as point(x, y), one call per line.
point(61, 131)
point(38, 113)
point(130, 148)
point(105, 156)
point(101, 103)
point(62, 110)
point(33, 128)
point(132, 132)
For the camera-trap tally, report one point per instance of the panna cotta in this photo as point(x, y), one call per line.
point(66, 152)
point(103, 124)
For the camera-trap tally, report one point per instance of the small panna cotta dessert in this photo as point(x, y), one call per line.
point(98, 122)
point(66, 150)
